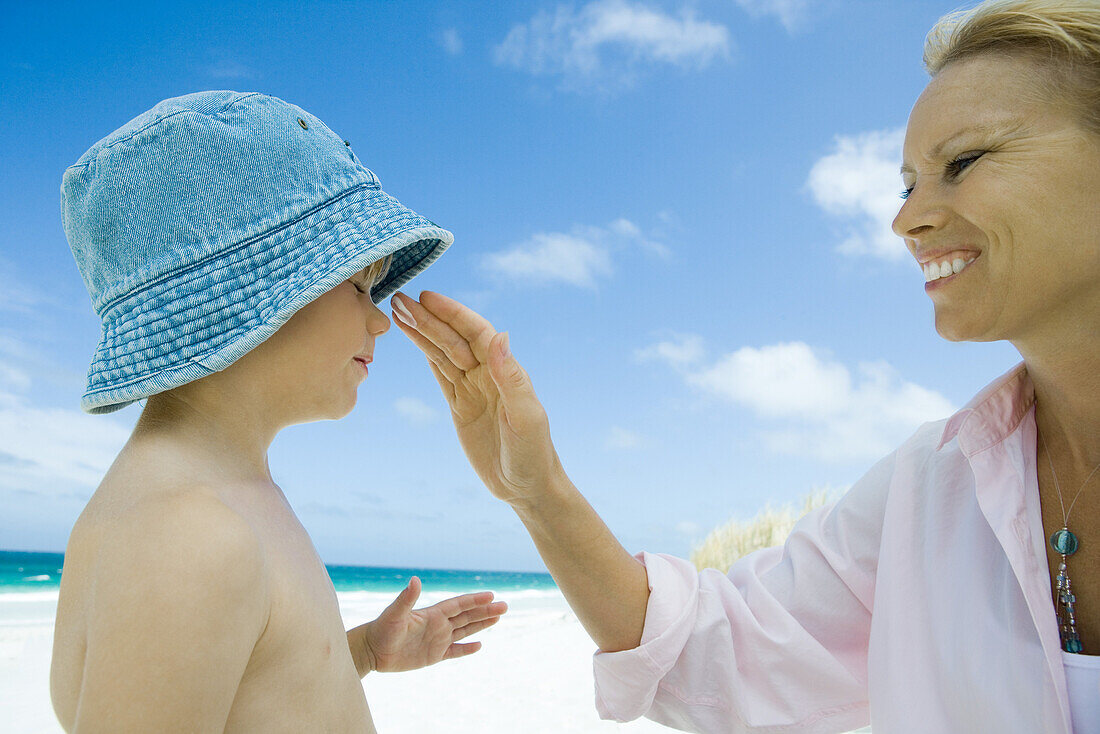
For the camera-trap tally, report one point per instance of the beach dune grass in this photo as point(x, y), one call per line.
point(736, 538)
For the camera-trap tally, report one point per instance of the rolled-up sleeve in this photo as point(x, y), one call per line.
point(779, 644)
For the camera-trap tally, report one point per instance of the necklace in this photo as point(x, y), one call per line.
point(1065, 543)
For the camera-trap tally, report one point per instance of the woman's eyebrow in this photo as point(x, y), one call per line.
point(1006, 126)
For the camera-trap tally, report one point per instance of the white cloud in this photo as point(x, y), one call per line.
point(779, 381)
point(15, 378)
point(56, 452)
point(629, 231)
point(579, 257)
point(791, 13)
point(452, 41)
point(223, 64)
point(553, 256)
point(415, 411)
point(17, 296)
point(813, 406)
point(858, 182)
point(606, 40)
point(688, 528)
point(621, 438)
point(682, 350)
point(52, 450)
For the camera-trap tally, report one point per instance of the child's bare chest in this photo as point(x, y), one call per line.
point(301, 671)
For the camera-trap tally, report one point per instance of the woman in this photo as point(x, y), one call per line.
point(926, 599)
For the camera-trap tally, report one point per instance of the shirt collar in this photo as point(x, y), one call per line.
point(993, 413)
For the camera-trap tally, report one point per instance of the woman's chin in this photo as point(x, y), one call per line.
point(955, 329)
point(951, 335)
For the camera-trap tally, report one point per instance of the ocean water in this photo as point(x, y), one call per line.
point(24, 572)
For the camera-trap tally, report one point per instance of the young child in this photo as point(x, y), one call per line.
point(234, 248)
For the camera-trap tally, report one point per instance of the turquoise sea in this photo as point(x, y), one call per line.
point(23, 572)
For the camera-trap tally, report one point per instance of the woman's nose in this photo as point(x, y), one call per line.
point(922, 212)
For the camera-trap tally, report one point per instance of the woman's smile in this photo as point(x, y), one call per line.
point(938, 273)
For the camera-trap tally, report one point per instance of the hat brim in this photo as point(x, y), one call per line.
point(155, 339)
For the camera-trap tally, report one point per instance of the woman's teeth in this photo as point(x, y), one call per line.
point(935, 271)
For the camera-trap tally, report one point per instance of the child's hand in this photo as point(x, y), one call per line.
point(404, 639)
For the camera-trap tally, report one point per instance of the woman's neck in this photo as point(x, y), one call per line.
point(1067, 396)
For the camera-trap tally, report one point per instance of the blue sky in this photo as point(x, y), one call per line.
point(679, 211)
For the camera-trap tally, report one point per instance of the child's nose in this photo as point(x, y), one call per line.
point(378, 323)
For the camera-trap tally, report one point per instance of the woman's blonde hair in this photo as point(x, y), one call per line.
point(1061, 36)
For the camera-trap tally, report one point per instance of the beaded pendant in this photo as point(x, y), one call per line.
point(1065, 543)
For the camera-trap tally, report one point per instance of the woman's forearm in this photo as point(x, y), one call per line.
point(606, 586)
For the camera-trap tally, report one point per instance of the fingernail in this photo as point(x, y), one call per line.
point(402, 312)
point(504, 346)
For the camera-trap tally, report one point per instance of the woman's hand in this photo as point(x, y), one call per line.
point(500, 422)
point(506, 435)
point(404, 639)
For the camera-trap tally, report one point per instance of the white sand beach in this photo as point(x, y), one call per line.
point(533, 674)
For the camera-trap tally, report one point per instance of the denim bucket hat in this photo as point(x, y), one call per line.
point(204, 224)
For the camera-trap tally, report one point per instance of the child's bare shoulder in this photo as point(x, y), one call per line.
point(151, 520)
point(168, 569)
point(139, 512)
point(166, 526)
point(158, 540)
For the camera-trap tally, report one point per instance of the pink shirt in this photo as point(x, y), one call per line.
point(918, 602)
